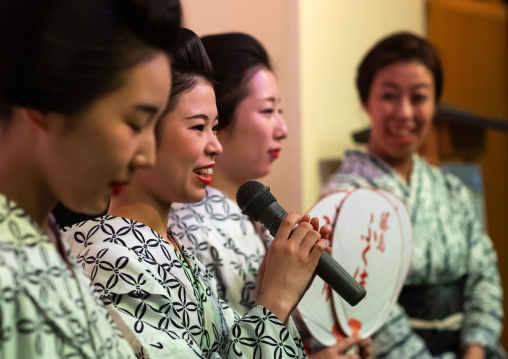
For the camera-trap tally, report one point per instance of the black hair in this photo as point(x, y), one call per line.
point(190, 65)
point(235, 58)
point(60, 55)
point(398, 47)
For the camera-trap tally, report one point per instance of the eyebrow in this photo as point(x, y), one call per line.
point(150, 109)
point(271, 99)
point(395, 85)
point(198, 116)
point(201, 116)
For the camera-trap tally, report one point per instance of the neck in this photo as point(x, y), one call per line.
point(137, 205)
point(404, 169)
point(225, 183)
point(402, 166)
point(21, 178)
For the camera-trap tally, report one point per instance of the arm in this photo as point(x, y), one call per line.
point(483, 293)
point(161, 316)
point(288, 267)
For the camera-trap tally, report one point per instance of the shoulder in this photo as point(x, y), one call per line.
point(358, 169)
point(102, 233)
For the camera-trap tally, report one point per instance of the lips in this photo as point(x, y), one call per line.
point(402, 135)
point(274, 153)
point(117, 187)
point(204, 174)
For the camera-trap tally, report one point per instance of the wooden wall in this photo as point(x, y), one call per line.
point(472, 37)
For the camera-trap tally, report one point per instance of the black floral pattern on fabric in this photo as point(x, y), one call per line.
point(166, 303)
point(225, 241)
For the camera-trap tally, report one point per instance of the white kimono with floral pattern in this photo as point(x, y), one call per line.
point(169, 303)
point(448, 243)
point(47, 310)
point(225, 241)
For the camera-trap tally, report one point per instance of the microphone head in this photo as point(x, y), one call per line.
point(254, 198)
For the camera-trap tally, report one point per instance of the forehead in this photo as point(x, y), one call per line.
point(262, 85)
point(200, 99)
point(404, 74)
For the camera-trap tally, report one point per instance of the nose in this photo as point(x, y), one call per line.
point(404, 109)
point(146, 154)
point(280, 129)
point(213, 147)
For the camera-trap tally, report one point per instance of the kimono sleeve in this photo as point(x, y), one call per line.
point(483, 293)
point(160, 317)
point(260, 334)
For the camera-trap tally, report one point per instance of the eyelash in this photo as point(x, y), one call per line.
point(270, 111)
point(200, 128)
point(135, 128)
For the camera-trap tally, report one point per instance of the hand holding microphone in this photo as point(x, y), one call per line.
point(256, 201)
point(288, 266)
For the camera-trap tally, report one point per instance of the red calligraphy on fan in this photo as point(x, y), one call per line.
point(374, 239)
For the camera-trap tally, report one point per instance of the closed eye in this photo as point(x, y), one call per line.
point(135, 128)
point(268, 111)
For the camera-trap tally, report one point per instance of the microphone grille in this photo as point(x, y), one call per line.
point(256, 207)
point(246, 192)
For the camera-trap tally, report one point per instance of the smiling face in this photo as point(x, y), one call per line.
point(401, 105)
point(253, 140)
point(186, 149)
point(90, 155)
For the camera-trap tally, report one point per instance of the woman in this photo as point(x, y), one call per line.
point(453, 282)
point(251, 130)
point(164, 300)
point(81, 83)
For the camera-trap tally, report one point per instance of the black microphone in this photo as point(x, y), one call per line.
point(257, 202)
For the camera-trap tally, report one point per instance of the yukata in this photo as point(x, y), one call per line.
point(450, 250)
point(226, 242)
point(48, 310)
point(166, 302)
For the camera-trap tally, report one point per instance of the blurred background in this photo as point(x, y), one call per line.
point(315, 47)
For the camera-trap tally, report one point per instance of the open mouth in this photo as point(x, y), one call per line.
point(204, 174)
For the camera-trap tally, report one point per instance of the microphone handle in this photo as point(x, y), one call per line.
point(327, 268)
point(339, 280)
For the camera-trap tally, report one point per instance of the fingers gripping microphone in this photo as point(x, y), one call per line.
point(257, 202)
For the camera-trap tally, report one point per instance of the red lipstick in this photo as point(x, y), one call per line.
point(117, 187)
point(274, 153)
point(204, 174)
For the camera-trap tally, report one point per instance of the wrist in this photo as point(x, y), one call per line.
point(278, 306)
point(474, 351)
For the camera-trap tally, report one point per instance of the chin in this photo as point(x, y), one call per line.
point(89, 207)
point(194, 197)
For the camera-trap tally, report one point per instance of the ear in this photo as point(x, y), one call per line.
point(36, 118)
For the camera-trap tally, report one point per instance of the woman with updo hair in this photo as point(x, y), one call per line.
point(251, 130)
point(451, 303)
point(162, 298)
point(81, 85)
